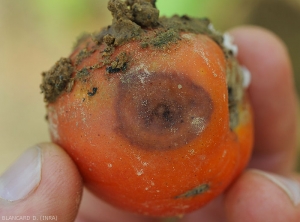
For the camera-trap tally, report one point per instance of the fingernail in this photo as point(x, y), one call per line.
point(289, 186)
point(23, 177)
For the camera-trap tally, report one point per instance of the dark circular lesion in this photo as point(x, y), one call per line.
point(161, 111)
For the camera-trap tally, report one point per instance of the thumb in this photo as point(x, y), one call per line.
point(43, 182)
point(261, 196)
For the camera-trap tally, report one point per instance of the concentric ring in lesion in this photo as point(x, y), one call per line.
point(157, 114)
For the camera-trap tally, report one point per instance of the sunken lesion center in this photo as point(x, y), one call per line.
point(160, 114)
point(164, 111)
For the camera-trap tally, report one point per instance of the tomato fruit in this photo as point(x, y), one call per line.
point(156, 125)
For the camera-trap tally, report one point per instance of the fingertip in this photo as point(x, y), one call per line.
point(256, 197)
point(266, 56)
point(58, 168)
point(60, 180)
point(253, 39)
point(272, 95)
point(55, 189)
point(94, 209)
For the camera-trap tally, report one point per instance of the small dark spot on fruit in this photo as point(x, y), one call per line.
point(94, 90)
point(195, 191)
point(110, 69)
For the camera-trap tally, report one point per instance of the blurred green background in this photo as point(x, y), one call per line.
point(34, 34)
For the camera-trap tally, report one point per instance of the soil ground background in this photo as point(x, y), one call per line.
point(35, 34)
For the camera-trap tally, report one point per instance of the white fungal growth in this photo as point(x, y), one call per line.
point(173, 130)
point(144, 102)
point(199, 124)
point(227, 40)
point(246, 76)
point(191, 152)
point(138, 157)
point(144, 75)
point(212, 28)
point(145, 163)
point(228, 43)
point(204, 56)
point(187, 36)
point(140, 172)
point(149, 185)
point(224, 153)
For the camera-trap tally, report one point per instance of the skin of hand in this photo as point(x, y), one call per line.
point(45, 182)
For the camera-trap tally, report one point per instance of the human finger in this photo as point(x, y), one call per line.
point(272, 95)
point(94, 209)
point(42, 183)
point(261, 196)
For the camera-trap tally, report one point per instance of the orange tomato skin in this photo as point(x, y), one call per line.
point(166, 180)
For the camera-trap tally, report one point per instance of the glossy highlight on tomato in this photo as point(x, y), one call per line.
point(158, 124)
